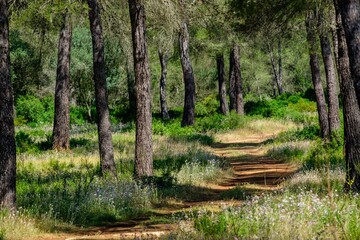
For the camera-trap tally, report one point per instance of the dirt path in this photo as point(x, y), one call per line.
point(252, 171)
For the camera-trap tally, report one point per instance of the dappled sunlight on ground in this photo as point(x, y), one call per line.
point(252, 172)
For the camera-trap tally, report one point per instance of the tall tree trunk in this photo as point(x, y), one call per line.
point(351, 109)
point(143, 146)
point(106, 149)
point(334, 119)
point(61, 131)
point(280, 75)
point(316, 76)
point(236, 93)
point(7, 131)
point(224, 108)
point(163, 57)
point(189, 81)
point(350, 14)
point(232, 80)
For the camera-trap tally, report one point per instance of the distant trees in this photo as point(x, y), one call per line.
point(143, 146)
point(277, 66)
point(101, 96)
point(61, 130)
point(7, 131)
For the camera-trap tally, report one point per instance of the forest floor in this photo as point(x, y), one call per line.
point(252, 172)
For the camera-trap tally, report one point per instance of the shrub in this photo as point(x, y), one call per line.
point(30, 110)
point(289, 107)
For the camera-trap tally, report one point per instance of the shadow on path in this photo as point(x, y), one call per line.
point(253, 172)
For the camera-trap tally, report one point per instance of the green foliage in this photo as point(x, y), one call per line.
point(323, 154)
point(32, 141)
point(34, 111)
point(207, 106)
point(25, 66)
point(289, 107)
point(311, 132)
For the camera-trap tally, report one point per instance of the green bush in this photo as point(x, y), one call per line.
point(30, 110)
point(324, 154)
point(289, 107)
point(207, 106)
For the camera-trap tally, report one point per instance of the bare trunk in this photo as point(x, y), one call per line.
point(143, 146)
point(279, 82)
point(131, 87)
point(103, 117)
point(232, 81)
point(316, 76)
point(351, 109)
point(350, 14)
point(163, 57)
point(236, 93)
point(224, 108)
point(334, 119)
point(189, 81)
point(61, 131)
point(7, 131)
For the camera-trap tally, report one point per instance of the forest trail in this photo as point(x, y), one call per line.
point(252, 172)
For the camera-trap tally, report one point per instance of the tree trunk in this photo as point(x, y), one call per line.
point(334, 119)
point(351, 109)
point(106, 149)
point(7, 131)
point(316, 76)
point(143, 146)
point(224, 108)
point(350, 14)
point(163, 57)
point(232, 80)
point(236, 93)
point(279, 82)
point(189, 81)
point(61, 131)
point(276, 67)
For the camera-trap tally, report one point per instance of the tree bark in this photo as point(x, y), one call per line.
point(106, 149)
point(189, 81)
point(236, 93)
point(334, 119)
point(7, 131)
point(351, 109)
point(350, 14)
point(163, 57)
point(224, 108)
point(61, 131)
point(232, 81)
point(316, 76)
point(143, 146)
point(280, 79)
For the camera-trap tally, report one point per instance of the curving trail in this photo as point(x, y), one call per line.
point(250, 164)
point(253, 171)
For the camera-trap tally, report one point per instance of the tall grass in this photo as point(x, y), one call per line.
point(310, 207)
